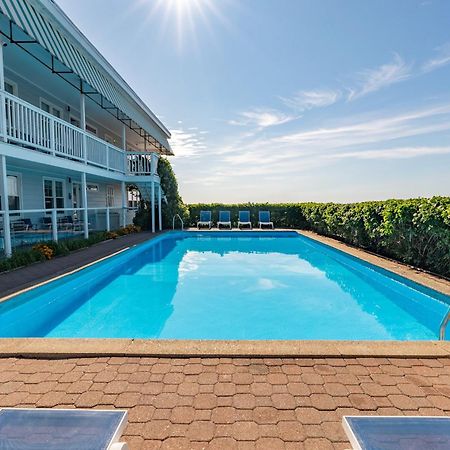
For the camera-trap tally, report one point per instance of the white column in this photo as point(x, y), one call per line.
point(54, 225)
point(5, 207)
point(2, 96)
point(124, 204)
point(159, 208)
point(85, 205)
point(83, 123)
point(108, 223)
point(82, 111)
point(124, 147)
point(153, 205)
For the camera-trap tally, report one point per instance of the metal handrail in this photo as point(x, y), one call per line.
point(173, 222)
point(443, 326)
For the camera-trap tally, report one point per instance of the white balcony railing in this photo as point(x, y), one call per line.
point(28, 125)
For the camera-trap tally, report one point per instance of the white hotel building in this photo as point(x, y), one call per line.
point(74, 137)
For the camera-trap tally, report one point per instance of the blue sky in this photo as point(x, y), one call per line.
point(289, 100)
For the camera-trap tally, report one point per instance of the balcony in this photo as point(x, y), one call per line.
point(26, 125)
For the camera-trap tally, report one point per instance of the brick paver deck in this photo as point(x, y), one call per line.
point(225, 403)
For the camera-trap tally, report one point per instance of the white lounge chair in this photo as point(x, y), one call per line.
point(244, 219)
point(264, 219)
point(224, 219)
point(57, 429)
point(397, 432)
point(205, 219)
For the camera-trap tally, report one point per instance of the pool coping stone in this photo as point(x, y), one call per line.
point(64, 348)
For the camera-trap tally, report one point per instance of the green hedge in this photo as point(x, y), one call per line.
point(414, 231)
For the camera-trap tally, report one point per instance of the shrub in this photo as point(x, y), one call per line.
point(44, 250)
point(49, 249)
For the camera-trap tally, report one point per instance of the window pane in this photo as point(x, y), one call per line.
point(45, 107)
point(48, 189)
point(13, 186)
point(58, 189)
point(9, 88)
point(56, 112)
point(13, 202)
point(48, 203)
point(60, 202)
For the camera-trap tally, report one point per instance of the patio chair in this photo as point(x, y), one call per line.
point(46, 222)
point(244, 219)
point(19, 225)
point(56, 429)
point(205, 219)
point(224, 219)
point(29, 224)
point(397, 432)
point(264, 219)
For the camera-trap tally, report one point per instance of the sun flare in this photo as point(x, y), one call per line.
point(182, 19)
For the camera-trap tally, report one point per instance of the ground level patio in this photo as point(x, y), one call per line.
point(226, 403)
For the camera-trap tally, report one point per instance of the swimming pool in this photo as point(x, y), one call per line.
point(228, 285)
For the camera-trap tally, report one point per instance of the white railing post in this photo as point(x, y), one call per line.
point(5, 207)
point(85, 205)
point(108, 224)
point(52, 137)
point(54, 225)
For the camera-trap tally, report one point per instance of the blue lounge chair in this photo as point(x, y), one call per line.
point(205, 219)
point(397, 432)
point(244, 219)
point(224, 219)
point(264, 219)
point(56, 429)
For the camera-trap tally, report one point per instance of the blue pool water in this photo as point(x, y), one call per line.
point(228, 286)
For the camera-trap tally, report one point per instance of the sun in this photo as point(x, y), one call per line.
point(182, 19)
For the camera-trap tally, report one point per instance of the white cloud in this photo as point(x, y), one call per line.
point(186, 142)
point(304, 100)
point(262, 118)
point(371, 80)
point(394, 153)
point(441, 59)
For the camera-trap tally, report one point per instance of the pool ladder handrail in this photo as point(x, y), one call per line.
point(173, 222)
point(443, 326)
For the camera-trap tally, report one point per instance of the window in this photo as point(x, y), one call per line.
point(92, 187)
point(11, 87)
point(91, 129)
point(50, 108)
point(109, 196)
point(13, 193)
point(53, 194)
point(75, 122)
point(134, 198)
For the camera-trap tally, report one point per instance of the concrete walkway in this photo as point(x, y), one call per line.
point(24, 277)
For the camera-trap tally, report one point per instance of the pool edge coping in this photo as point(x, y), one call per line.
point(79, 348)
